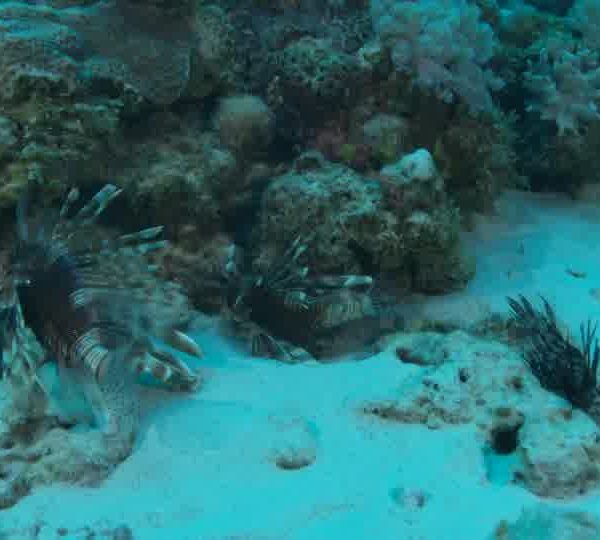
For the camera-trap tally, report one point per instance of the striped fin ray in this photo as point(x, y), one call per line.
point(341, 308)
point(354, 282)
point(137, 243)
point(92, 257)
point(121, 247)
point(71, 198)
point(90, 211)
point(285, 268)
point(66, 228)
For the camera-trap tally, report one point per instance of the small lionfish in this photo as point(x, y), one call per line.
point(91, 305)
point(283, 303)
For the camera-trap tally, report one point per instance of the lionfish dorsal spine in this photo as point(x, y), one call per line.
point(141, 236)
point(71, 198)
point(96, 205)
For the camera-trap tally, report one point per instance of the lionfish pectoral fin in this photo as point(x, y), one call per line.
point(114, 399)
point(183, 343)
point(297, 354)
point(66, 390)
point(265, 345)
point(166, 370)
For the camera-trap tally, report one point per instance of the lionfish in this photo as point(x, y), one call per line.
point(288, 313)
point(89, 304)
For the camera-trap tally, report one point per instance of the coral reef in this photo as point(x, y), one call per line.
point(565, 81)
point(444, 49)
point(331, 205)
point(314, 165)
point(72, 75)
point(213, 55)
point(172, 159)
point(559, 96)
point(402, 225)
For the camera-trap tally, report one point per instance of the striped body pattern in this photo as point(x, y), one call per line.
point(92, 304)
point(285, 303)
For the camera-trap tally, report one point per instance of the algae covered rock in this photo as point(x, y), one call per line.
point(71, 51)
point(415, 191)
point(8, 137)
point(192, 173)
point(69, 75)
point(544, 522)
point(74, 75)
point(244, 123)
point(312, 73)
point(404, 228)
point(212, 60)
point(387, 136)
point(528, 437)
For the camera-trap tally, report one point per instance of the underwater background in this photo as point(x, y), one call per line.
point(299, 269)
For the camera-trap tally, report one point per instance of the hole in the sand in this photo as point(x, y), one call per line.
point(504, 433)
point(410, 499)
point(500, 456)
point(504, 440)
point(293, 462)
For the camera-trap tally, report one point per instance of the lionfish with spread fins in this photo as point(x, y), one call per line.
point(91, 304)
point(288, 313)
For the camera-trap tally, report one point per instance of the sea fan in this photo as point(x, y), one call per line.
point(560, 366)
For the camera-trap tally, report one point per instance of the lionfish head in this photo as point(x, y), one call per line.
point(32, 251)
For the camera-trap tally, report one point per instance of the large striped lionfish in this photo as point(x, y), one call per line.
point(91, 305)
point(289, 314)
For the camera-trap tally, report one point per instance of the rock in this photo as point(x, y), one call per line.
point(386, 135)
point(542, 522)
point(244, 123)
point(459, 379)
point(408, 231)
point(415, 168)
